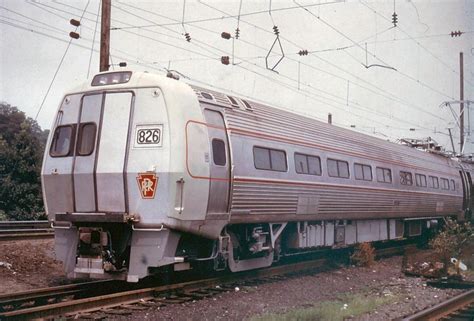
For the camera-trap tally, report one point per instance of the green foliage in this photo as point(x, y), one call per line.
point(347, 306)
point(364, 255)
point(21, 152)
point(451, 241)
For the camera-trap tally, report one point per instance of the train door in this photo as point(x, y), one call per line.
point(58, 161)
point(471, 196)
point(112, 152)
point(219, 163)
point(84, 160)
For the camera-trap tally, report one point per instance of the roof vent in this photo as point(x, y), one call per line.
point(207, 96)
point(247, 105)
point(233, 101)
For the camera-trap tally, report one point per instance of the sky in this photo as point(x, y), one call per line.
point(387, 81)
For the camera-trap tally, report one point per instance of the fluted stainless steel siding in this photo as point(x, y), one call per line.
point(265, 195)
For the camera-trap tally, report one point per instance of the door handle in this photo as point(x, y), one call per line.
point(180, 182)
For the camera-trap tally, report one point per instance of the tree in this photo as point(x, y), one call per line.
point(21, 152)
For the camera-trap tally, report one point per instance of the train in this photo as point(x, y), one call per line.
point(144, 173)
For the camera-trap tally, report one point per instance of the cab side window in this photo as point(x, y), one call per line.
point(62, 144)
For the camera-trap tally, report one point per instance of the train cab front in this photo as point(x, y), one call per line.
point(107, 169)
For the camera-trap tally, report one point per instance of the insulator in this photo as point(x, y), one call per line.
point(74, 35)
point(122, 64)
point(188, 37)
point(303, 52)
point(237, 33)
point(225, 60)
point(456, 33)
point(225, 35)
point(276, 31)
point(394, 19)
point(75, 23)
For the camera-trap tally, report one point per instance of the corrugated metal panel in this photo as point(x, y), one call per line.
point(273, 123)
point(262, 198)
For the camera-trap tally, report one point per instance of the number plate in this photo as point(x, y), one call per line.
point(148, 136)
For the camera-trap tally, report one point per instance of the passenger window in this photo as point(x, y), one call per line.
point(269, 159)
point(384, 175)
point(406, 178)
point(261, 157)
point(338, 168)
point(434, 182)
point(362, 172)
point(278, 160)
point(420, 180)
point(453, 185)
point(307, 164)
point(444, 184)
point(62, 143)
point(86, 139)
point(218, 152)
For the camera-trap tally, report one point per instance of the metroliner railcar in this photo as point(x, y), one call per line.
point(144, 173)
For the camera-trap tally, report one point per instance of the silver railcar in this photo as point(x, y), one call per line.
point(144, 172)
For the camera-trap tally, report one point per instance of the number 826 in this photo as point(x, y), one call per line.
point(148, 136)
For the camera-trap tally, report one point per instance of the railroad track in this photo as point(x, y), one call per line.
point(459, 308)
point(20, 230)
point(122, 298)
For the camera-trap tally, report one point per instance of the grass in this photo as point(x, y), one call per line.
point(338, 309)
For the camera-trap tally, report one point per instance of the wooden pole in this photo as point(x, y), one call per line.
point(105, 36)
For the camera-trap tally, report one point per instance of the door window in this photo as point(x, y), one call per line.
point(218, 152)
point(86, 139)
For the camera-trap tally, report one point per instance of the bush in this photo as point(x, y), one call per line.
point(364, 255)
point(451, 240)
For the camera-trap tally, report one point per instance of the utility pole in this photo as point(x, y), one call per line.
point(105, 35)
point(461, 105)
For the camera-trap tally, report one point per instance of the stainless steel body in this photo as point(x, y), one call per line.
point(143, 171)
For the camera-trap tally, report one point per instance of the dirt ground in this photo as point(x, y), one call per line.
point(384, 279)
point(28, 264)
point(33, 266)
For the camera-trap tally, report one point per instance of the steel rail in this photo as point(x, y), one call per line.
point(23, 224)
point(140, 295)
point(150, 293)
point(17, 300)
point(444, 309)
point(21, 230)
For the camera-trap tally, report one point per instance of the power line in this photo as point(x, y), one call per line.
point(333, 65)
point(289, 78)
point(93, 40)
point(391, 96)
point(373, 55)
point(391, 117)
point(417, 42)
point(223, 18)
point(59, 67)
point(214, 47)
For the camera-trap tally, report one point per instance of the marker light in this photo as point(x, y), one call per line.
point(112, 78)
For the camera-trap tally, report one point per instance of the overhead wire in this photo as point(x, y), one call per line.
point(58, 68)
point(289, 78)
point(417, 42)
point(373, 55)
point(394, 97)
point(232, 16)
point(252, 71)
point(93, 40)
